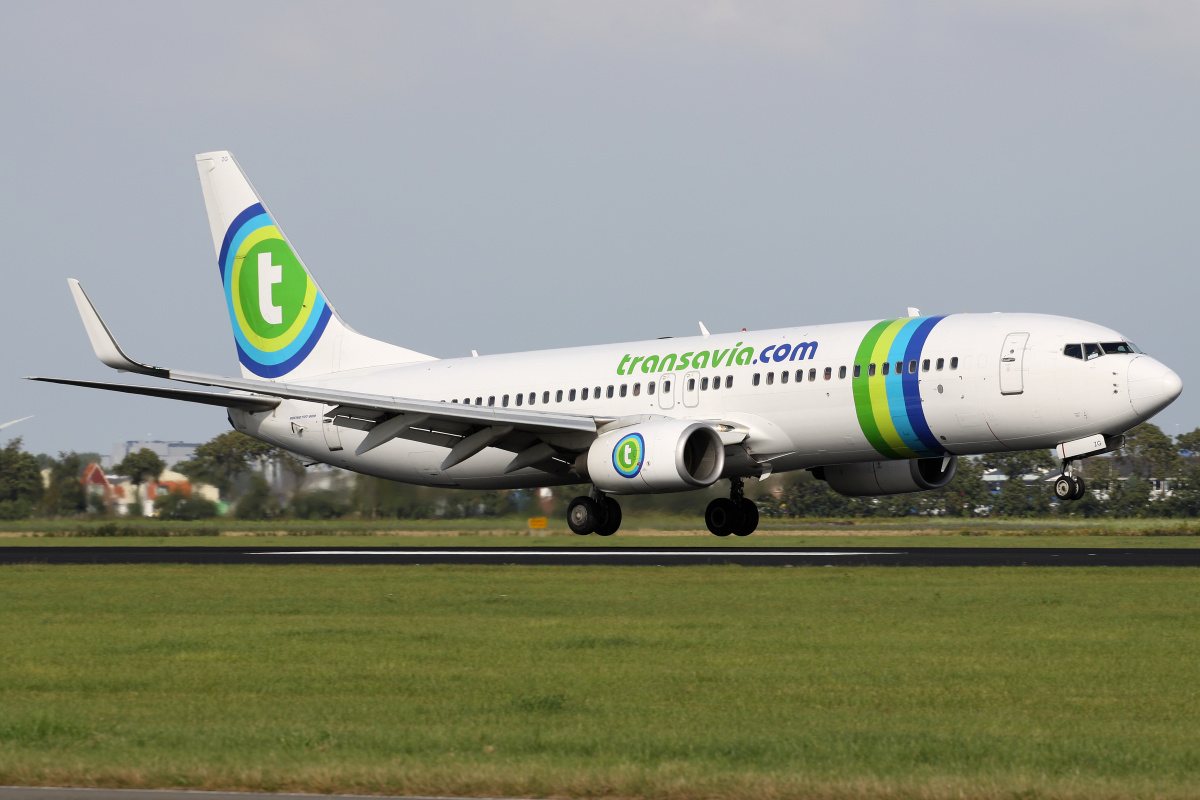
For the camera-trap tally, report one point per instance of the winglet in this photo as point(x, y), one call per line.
point(703, 330)
point(103, 342)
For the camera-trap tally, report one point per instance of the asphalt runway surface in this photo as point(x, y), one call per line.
point(619, 556)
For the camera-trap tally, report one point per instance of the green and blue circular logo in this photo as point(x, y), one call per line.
point(627, 455)
point(277, 312)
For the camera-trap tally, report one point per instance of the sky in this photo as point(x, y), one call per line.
point(505, 176)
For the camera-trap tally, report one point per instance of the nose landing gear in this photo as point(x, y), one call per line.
point(596, 513)
point(734, 514)
point(1069, 486)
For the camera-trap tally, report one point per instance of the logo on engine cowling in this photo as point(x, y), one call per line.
point(627, 455)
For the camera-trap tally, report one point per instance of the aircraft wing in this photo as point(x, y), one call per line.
point(539, 437)
point(244, 402)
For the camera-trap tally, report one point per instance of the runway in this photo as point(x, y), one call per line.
point(618, 556)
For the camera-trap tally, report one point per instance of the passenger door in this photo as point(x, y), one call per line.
point(666, 391)
point(1012, 362)
point(691, 389)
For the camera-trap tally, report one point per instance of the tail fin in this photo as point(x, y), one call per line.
point(282, 323)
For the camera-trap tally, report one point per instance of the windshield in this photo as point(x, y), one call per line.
point(1119, 347)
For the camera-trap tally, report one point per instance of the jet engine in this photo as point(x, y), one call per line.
point(888, 477)
point(660, 455)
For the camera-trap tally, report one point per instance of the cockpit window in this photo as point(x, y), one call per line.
point(1091, 351)
point(1073, 351)
point(1118, 347)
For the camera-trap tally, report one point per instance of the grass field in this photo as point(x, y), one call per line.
point(673, 683)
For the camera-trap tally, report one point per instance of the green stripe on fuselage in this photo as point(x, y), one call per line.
point(862, 392)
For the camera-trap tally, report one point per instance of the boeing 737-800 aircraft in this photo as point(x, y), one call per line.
point(873, 408)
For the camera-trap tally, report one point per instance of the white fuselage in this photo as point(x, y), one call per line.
point(992, 392)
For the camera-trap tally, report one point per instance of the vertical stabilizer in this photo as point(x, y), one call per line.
point(282, 323)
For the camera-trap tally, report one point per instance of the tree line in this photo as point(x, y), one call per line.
point(1153, 475)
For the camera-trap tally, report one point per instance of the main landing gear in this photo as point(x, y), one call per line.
point(1069, 486)
point(596, 513)
point(734, 514)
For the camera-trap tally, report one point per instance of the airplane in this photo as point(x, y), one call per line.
point(873, 408)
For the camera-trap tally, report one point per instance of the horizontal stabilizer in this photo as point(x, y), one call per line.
point(240, 401)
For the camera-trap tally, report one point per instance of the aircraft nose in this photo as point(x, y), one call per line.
point(1152, 386)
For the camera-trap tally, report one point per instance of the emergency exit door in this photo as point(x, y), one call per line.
point(1012, 363)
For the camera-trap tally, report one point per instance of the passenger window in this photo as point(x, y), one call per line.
point(783, 377)
point(925, 365)
point(650, 387)
point(532, 397)
point(571, 396)
point(704, 384)
point(716, 383)
point(520, 399)
point(558, 396)
point(887, 365)
point(596, 394)
point(1091, 351)
point(899, 367)
point(870, 370)
point(691, 384)
point(666, 387)
point(954, 363)
point(941, 362)
point(756, 379)
point(637, 389)
point(492, 400)
point(478, 401)
point(912, 367)
point(728, 381)
point(770, 378)
point(812, 375)
point(799, 375)
point(828, 373)
point(857, 371)
point(609, 392)
point(624, 389)
point(504, 401)
point(545, 397)
point(841, 372)
point(584, 396)
point(1073, 351)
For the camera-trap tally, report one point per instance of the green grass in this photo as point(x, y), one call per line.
point(591, 681)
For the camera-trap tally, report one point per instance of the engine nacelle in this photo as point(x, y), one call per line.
point(888, 477)
point(660, 455)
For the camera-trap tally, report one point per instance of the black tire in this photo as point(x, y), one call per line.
point(722, 516)
point(612, 517)
point(583, 515)
point(749, 518)
point(1080, 488)
point(1064, 488)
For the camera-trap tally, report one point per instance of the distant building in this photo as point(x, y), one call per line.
point(170, 452)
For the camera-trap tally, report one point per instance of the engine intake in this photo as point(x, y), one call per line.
point(874, 478)
point(662, 455)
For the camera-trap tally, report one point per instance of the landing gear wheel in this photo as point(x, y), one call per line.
point(1064, 488)
point(1080, 488)
point(749, 518)
point(611, 510)
point(583, 515)
point(723, 516)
